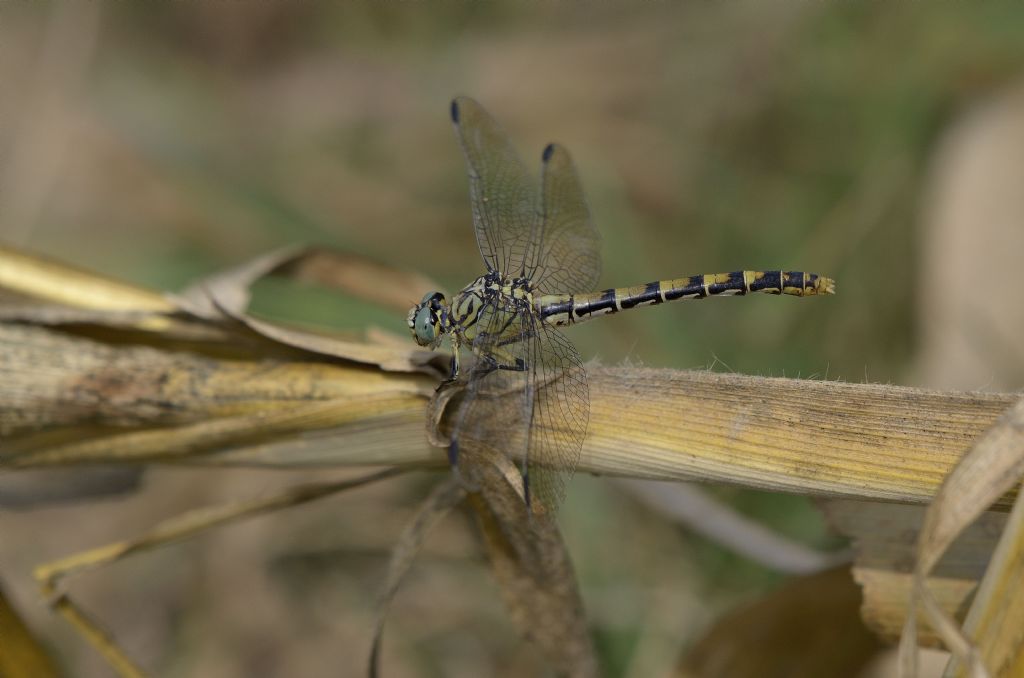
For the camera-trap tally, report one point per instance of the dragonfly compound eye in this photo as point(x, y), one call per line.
point(424, 319)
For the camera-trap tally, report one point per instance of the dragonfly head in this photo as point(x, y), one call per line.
point(425, 319)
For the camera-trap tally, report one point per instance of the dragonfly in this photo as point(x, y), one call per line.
point(525, 395)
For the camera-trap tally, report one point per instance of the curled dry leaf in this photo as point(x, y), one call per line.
point(525, 549)
point(995, 620)
point(531, 564)
point(229, 291)
point(352, 274)
point(388, 358)
point(227, 295)
point(993, 466)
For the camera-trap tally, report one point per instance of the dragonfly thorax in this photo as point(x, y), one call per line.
point(491, 293)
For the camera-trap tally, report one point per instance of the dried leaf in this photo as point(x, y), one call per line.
point(180, 527)
point(995, 621)
point(228, 291)
point(227, 294)
point(386, 357)
point(444, 497)
point(199, 520)
point(993, 466)
point(41, 279)
point(350, 273)
point(531, 564)
point(40, 291)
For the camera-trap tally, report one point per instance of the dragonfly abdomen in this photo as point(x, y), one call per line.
point(567, 309)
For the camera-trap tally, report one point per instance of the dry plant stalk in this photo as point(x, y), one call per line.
point(95, 371)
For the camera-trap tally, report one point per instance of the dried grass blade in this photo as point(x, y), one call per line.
point(995, 620)
point(98, 637)
point(59, 283)
point(199, 520)
point(444, 497)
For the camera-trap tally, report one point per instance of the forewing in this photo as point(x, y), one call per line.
point(502, 196)
point(568, 258)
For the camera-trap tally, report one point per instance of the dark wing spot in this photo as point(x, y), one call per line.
point(548, 150)
point(455, 111)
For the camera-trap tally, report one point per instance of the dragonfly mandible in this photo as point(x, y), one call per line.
point(526, 394)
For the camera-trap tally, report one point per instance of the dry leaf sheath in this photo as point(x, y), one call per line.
point(68, 399)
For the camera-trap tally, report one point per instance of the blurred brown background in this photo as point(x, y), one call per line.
point(880, 144)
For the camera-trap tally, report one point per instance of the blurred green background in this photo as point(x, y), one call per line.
point(161, 142)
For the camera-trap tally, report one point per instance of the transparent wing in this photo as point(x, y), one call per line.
point(568, 256)
point(561, 411)
point(537, 415)
point(501, 192)
point(552, 241)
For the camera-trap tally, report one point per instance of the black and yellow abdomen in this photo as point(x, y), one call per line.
point(567, 309)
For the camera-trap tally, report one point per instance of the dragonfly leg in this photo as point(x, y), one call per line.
point(520, 366)
point(453, 370)
point(491, 364)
